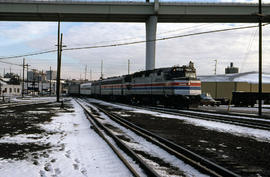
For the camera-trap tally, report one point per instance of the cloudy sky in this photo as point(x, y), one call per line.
point(240, 47)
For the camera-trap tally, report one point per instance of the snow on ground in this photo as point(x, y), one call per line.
point(140, 144)
point(233, 109)
point(260, 135)
point(30, 99)
point(78, 151)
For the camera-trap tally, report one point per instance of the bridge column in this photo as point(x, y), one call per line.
point(151, 29)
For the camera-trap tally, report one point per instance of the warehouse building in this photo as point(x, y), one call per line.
point(222, 86)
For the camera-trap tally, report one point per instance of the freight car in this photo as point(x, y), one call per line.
point(174, 86)
point(248, 98)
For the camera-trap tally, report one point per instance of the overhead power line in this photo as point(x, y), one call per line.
point(161, 39)
point(27, 55)
point(15, 64)
point(10, 63)
point(135, 42)
point(138, 37)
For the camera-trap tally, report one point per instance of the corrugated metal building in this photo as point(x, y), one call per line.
point(222, 86)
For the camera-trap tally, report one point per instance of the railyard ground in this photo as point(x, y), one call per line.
point(48, 140)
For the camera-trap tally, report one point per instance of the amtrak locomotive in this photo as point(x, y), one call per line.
point(174, 86)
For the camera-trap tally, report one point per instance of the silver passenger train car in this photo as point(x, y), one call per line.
point(174, 86)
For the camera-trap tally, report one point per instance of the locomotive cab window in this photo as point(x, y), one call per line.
point(191, 74)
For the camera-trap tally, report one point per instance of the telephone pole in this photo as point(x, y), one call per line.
point(90, 75)
point(27, 77)
point(128, 66)
point(260, 58)
point(23, 78)
point(50, 81)
point(215, 71)
point(59, 56)
point(59, 66)
point(42, 82)
point(85, 73)
point(101, 72)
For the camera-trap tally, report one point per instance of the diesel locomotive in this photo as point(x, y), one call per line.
point(173, 86)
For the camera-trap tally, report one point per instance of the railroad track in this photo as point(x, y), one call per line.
point(248, 121)
point(16, 104)
point(203, 165)
point(240, 120)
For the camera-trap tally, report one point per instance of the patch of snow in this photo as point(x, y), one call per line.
point(260, 135)
point(78, 151)
point(38, 112)
point(143, 145)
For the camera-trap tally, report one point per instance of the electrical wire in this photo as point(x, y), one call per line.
point(251, 40)
point(161, 39)
point(15, 64)
point(135, 42)
point(10, 63)
point(138, 37)
point(27, 55)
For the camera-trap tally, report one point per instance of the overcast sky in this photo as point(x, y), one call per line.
point(240, 47)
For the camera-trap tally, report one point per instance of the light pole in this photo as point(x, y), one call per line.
point(260, 58)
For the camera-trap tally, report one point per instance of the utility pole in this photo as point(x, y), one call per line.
point(85, 73)
point(50, 81)
point(90, 75)
point(38, 80)
point(42, 82)
point(216, 86)
point(215, 71)
point(59, 56)
point(23, 78)
point(59, 67)
point(101, 70)
point(33, 84)
point(128, 66)
point(58, 63)
point(260, 58)
point(27, 77)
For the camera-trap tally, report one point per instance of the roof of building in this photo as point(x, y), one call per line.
point(250, 77)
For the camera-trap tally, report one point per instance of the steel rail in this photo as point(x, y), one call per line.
point(250, 115)
point(12, 104)
point(180, 152)
point(237, 120)
point(148, 170)
point(217, 117)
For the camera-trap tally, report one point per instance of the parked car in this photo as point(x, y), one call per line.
point(206, 99)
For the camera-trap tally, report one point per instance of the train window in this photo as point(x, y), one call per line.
point(191, 74)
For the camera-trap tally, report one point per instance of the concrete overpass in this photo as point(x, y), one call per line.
point(149, 13)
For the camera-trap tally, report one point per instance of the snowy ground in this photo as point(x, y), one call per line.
point(75, 150)
point(157, 155)
point(260, 135)
point(72, 148)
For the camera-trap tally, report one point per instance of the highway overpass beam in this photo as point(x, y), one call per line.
point(151, 29)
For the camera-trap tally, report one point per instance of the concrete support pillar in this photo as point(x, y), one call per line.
point(151, 29)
